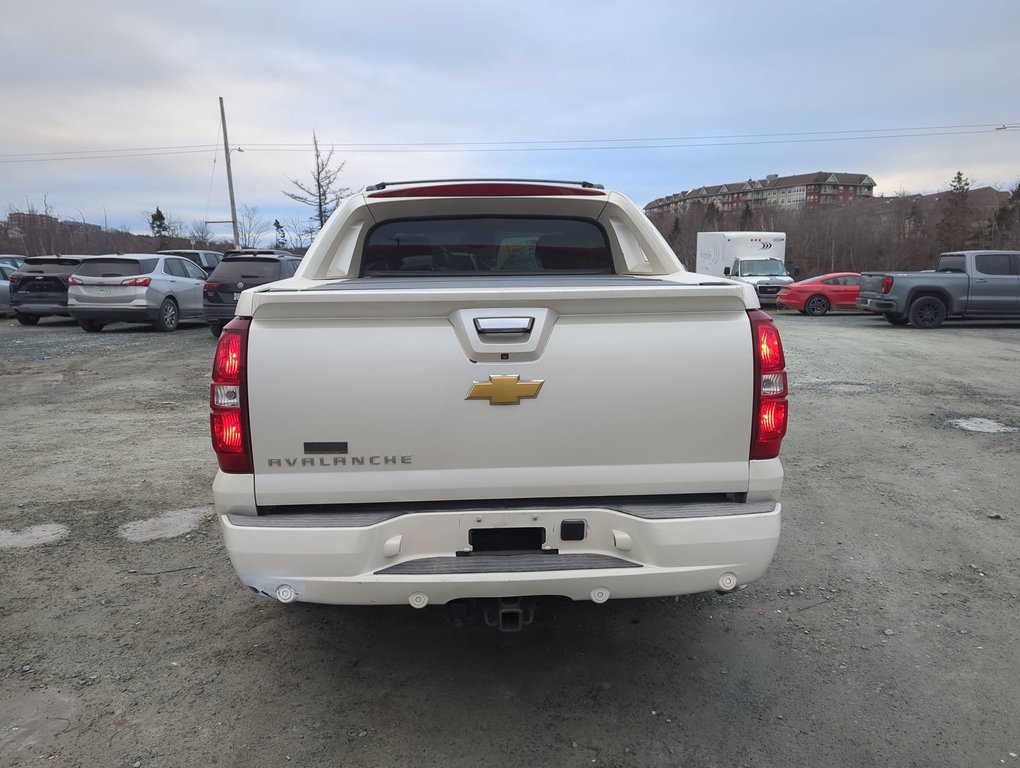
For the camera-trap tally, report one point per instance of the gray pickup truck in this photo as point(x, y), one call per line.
point(964, 284)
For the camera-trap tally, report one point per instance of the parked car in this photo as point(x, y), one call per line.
point(136, 288)
point(39, 287)
point(6, 270)
point(10, 260)
point(239, 271)
point(207, 260)
point(821, 294)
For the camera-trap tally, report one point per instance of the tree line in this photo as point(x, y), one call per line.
point(903, 232)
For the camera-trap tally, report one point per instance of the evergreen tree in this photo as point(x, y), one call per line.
point(952, 230)
point(159, 227)
point(746, 217)
point(281, 235)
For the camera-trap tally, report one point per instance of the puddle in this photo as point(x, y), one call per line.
point(33, 721)
point(165, 526)
point(982, 425)
point(31, 537)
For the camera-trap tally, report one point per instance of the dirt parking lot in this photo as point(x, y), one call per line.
point(885, 633)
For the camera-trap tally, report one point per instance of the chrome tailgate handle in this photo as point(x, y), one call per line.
point(493, 325)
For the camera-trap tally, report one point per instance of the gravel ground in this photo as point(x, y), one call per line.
point(884, 633)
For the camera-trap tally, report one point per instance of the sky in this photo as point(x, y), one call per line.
point(112, 108)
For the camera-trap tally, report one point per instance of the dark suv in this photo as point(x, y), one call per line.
point(239, 271)
point(39, 287)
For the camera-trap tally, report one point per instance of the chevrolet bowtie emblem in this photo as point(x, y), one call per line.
point(503, 390)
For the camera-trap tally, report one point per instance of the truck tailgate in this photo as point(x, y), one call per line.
point(625, 386)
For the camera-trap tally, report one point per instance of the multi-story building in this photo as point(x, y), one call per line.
point(802, 190)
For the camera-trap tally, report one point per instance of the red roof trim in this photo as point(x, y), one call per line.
point(483, 189)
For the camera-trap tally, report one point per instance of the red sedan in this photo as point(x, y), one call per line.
point(818, 295)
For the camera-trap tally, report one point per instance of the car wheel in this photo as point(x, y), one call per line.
point(91, 325)
point(817, 305)
point(27, 319)
point(895, 319)
point(168, 316)
point(927, 312)
point(216, 329)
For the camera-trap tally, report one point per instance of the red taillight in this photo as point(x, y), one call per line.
point(13, 279)
point(210, 286)
point(72, 280)
point(228, 399)
point(887, 284)
point(139, 282)
point(770, 390)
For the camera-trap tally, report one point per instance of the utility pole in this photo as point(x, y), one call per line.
point(230, 177)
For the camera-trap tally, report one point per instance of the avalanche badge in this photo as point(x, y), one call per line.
point(504, 390)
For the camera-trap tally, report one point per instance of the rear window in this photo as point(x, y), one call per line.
point(116, 267)
point(487, 245)
point(247, 269)
point(955, 263)
point(49, 266)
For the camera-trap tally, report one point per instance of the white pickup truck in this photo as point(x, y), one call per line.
point(497, 390)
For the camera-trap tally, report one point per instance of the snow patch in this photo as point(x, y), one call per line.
point(982, 425)
point(31, 537)
point(177, 522)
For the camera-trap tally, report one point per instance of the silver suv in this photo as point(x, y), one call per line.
point(135, 288)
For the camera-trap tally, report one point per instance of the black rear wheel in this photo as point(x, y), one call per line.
point(216, 329)
point(927, 312)
point(27, 319)
point(92, 326)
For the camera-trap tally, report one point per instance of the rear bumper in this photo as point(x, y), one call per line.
point(39, 308)
point(219, 315)
point(324, 558)
point(878, 305)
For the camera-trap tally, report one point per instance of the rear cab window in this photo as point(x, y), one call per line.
point(952, 263)
point(486, 245)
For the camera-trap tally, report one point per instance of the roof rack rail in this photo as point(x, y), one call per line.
point(385, 184)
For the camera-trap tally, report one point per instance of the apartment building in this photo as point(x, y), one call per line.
point(799, 191)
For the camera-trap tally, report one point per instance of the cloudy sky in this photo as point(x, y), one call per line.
point(111, 108)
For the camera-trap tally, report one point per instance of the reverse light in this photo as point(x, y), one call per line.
point(770, 387)
point(887, 282)
point(141, 282)
point(228, 419)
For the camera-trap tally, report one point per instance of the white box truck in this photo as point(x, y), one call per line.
point(758, 258)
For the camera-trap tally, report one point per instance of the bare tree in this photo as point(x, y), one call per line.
point(322, 194)
point(297, 232)
point(251, 226)
point(200, 234)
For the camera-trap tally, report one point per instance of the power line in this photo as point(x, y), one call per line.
point(550, 145)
